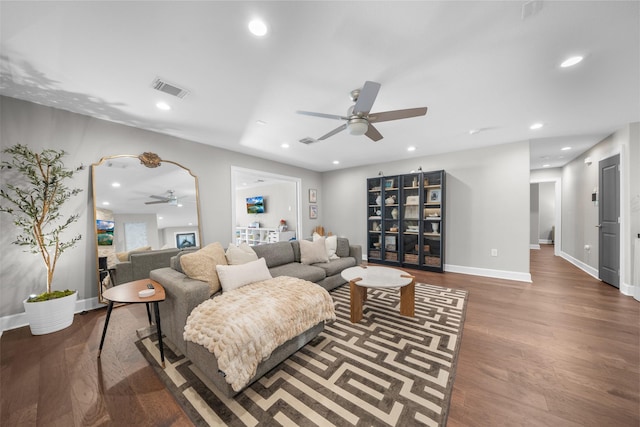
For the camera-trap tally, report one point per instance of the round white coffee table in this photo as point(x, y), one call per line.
point(363, 277)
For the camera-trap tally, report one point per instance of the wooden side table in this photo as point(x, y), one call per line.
point(128, 293)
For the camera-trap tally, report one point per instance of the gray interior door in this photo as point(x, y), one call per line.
point(609, 225)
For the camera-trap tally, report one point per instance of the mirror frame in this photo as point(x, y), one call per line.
point(150, 160)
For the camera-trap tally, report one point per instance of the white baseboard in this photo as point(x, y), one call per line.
point(534, 246)
point(581, 265)
point(20, 319)
point(485, 272)
point(627, 289)
point(545, 241)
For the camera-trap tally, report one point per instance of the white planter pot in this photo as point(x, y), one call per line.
point(50, 316)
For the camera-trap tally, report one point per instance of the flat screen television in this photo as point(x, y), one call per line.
point(255, 205)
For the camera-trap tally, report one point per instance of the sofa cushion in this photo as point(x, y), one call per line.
point(342, 247)
point(301, 271)
point(124, 256)
point(275, 254)
point(335, 266)
point(312, 252)
point(235, 276)
point(201, 265)
point(330, 243)
point(240, 254)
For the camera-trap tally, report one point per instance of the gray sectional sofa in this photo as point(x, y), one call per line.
point(183, 294)
point(139, 264)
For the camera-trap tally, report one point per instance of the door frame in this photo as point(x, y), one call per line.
point(236, 170)
point(557, 238)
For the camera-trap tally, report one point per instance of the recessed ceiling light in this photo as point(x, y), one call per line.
point(546, 165)
point(285, 145)
point(105, 203)
point(115, 184)
point(160, 217)
point(412, 148)
point(258, 27)
point(536, 126)
point(570, 62)
point(566, 148)
point(261, 122)
point(163, 106)
point(180, 205)
point(336, 162)
point(474, 131)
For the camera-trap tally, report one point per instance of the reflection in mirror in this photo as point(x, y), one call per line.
point(143, 206)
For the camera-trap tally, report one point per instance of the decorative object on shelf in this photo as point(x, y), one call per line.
point(426, 182)
point(313, 195)
point(375, 226)
point(391, 200)
point(35, 202)
point(388, 183)
point(433, 196)
point(413, 200)
point(394, 213)
point(313, 211)
point(379, 201)
point(434, 227)
point(283, 225)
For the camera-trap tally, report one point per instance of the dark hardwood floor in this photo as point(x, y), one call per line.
point(561, 351)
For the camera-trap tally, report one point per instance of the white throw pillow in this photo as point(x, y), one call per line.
point(331, 244)
point(236, 276)
point(312, 252)
point(240, 254)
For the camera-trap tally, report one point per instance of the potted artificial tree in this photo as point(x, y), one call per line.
point(35, 197)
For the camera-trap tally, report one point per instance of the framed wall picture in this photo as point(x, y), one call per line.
point(313, 195)
point(433, 196)
point(313, 211)
point(388, 183)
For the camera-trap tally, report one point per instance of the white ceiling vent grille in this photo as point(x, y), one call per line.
point(166, 87)
point(307, 140)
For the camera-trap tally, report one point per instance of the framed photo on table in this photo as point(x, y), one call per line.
point(313, 195)
point(313, 211)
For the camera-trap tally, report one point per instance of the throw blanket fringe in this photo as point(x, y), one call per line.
point(242, 327)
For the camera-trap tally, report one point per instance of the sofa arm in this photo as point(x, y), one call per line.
point(124, 272)
point(182, 295)
point(356, 252)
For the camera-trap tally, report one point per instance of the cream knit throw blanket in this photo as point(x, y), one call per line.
point(243, 326)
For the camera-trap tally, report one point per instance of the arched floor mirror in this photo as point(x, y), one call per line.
point(141, 203)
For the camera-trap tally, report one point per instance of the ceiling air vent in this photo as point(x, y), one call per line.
point(307, 140)
point(166, 87)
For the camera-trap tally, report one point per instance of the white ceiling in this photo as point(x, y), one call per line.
point(476, 65)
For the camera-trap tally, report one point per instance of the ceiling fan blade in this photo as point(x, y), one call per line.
point(159, 197)
point(323, 115)
point(386, 116)
point(366, 98)
point(373, 133)
point(155, 203)
point(333, 132)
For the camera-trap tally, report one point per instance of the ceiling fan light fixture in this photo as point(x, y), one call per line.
point(358, 126)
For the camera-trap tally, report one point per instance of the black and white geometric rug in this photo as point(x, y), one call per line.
point(386, 370)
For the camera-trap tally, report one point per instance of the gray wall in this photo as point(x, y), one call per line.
point(534, 214)
point(487, 205)
point(580, 214)
point(547, 208)
point(280, 203)
point(88, 140)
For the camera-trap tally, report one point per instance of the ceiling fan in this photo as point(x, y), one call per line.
point(171, 199)
point(359, 119)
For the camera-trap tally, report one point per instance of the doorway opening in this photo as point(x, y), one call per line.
point(279, 196)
